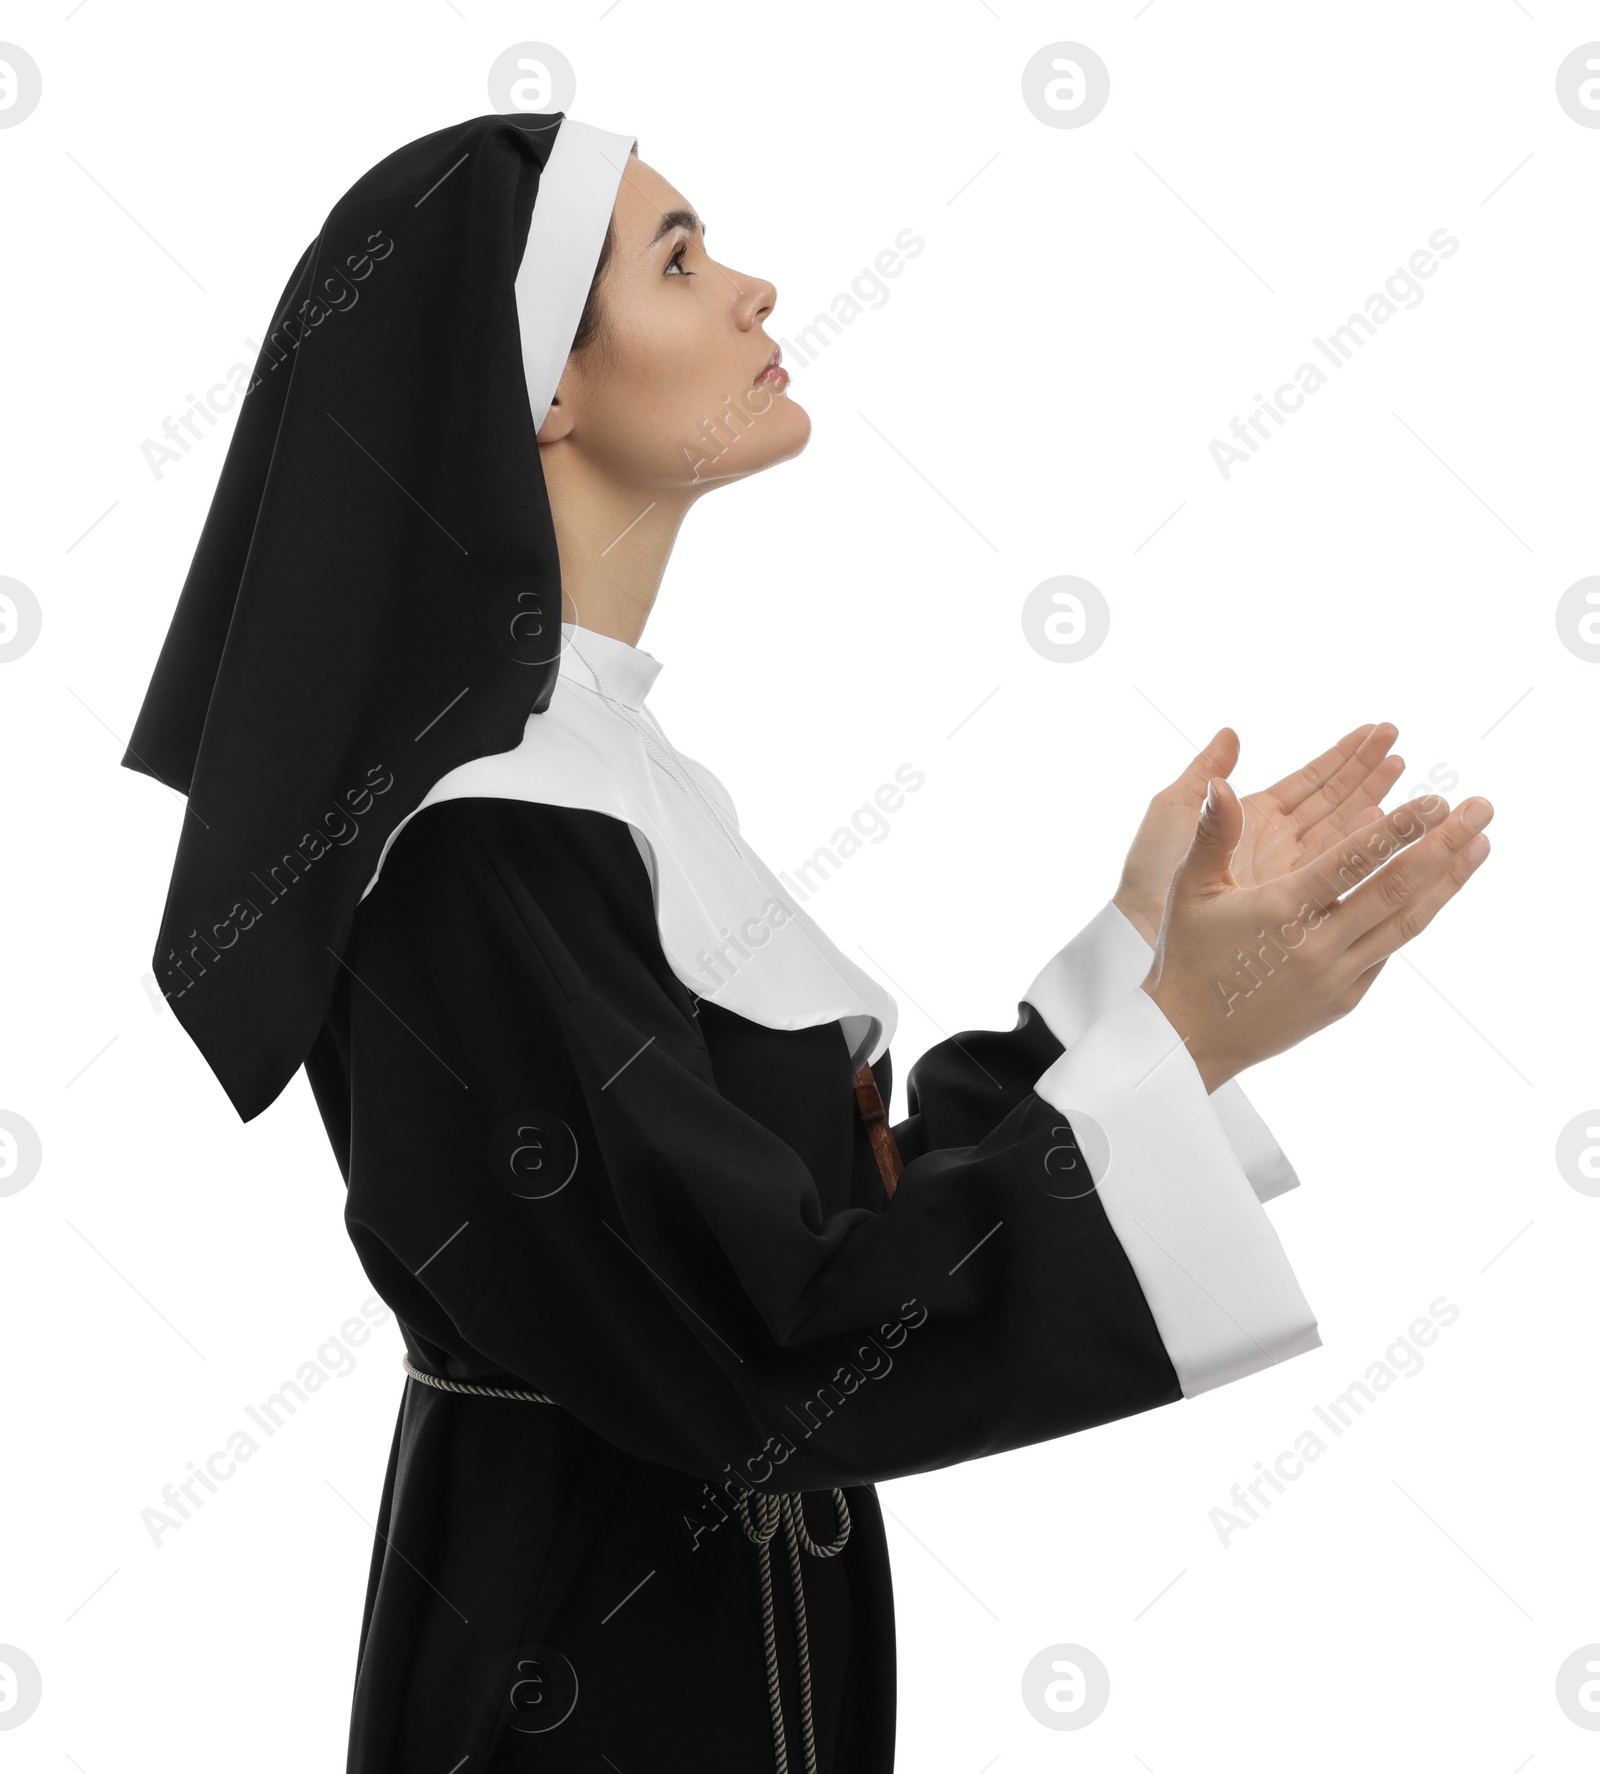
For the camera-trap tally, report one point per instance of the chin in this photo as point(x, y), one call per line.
point(797, 426)
point(775, 434)
point(787, 435)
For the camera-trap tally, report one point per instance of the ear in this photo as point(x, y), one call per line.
point(563, 413)
point(558, 423)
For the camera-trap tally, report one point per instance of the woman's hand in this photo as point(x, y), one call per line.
point(1284, 825)
point(1244, 972)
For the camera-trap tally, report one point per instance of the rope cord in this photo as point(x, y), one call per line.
point(787, 1507)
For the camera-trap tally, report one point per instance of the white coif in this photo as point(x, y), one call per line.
point(577, 191)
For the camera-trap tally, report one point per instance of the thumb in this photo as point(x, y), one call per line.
point(1216, 834)
point(1217, 759)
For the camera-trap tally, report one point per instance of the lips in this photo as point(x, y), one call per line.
point(772, 370)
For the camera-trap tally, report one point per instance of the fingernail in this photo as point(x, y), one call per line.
point(1475, 815)
point(1213, 801)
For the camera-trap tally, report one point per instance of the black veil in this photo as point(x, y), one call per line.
point(375, 597)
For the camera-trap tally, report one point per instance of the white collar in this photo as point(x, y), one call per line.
point(613, 668)
point(729, 929)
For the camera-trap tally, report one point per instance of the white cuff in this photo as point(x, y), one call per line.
point(1216, 1278)
point(1101, 964)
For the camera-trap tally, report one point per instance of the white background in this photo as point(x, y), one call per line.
point(1035, 397)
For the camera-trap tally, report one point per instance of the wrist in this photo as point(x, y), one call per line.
point(1137, 917)
point(1214, 1069)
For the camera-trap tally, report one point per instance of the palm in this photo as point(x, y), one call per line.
point(1284, 825)
point(1277, 838)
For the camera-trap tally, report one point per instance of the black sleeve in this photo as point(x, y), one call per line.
point(963, 1087)
point(682, 1290)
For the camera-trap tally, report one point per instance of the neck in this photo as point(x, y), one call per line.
point(614, 542)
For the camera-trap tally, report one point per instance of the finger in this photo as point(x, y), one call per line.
point(1356, 809)
point(1346, 778)
point(1289, 791)
point(1382, 779)
point(1401, 879)
point(1216, 759)
point(1344, 867)
point(1369, 953)
point(1341, 824)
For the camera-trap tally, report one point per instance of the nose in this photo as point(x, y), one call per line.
point(755, 301)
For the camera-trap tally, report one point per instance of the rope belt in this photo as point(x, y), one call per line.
point(787, 1507)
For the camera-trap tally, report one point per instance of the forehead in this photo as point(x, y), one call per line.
point(643, 197)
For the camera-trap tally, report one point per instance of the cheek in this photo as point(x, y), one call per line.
point(663, 389)
point(682, 368)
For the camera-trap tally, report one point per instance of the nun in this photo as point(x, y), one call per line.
point(608, 1104)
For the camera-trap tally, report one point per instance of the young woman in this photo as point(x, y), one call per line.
point(607, 1103)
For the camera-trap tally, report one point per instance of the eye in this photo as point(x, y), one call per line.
point(675, 263)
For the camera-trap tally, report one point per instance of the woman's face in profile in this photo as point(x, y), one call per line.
point(669, 395)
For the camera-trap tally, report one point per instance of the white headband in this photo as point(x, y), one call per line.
point(577, 190)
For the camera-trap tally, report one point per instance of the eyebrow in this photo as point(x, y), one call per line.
point(677, 218)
